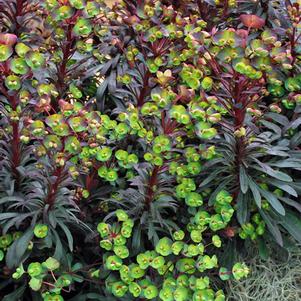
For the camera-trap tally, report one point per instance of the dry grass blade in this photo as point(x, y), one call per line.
point(270, 281)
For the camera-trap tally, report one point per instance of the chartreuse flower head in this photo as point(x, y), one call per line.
point(21, 49)
point(240, 270)
point(163, 247)
point(179, 235)
point(53, 297)
point(136, 272)
point(106, 244)
point(82, 27)
point(121, 251)
point(103, 229)
point(205, 131)
point(40, 230)
point(5, 52)
point(135, 289)
point(19, 66)
point(143, 260)
point(34, 269)
point(104, 154)
point(78, 4)
point(177, 247)
point(121, 215)
point(113, 263)
point(6, 240)
point(166, 294)
point(181, 294)
point(19, 272)
point(119, 289)
point(216, 241)
point(35, 60)
point(150, 292)
point(13, 82)
point(194, 199)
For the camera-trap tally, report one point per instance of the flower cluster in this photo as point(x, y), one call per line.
point(180, 118)
point(175, 268)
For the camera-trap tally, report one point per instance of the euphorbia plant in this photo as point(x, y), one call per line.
point(188, 78)
point(155, 107)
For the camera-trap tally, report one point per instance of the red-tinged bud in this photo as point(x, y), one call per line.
point(185, 93)
point(131, 20)
point(65, 106)
point(8, 39)
point(229, 232)
point(252, 21)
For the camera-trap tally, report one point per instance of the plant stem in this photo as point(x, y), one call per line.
point(53, 187)
point(62, 69)
point(150, 189)
point(144, 89)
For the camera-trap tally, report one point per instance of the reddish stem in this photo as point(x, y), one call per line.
point(62, 69)
point(16, 157)
point(150, 189)
point(144, 89)
point(53, 187)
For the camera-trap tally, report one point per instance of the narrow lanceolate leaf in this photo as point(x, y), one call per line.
point(283, 186)
point(283, 120)
point(263, 249)
point(16, 251)
point(289, 163)
point(292, 203)
point(243, 179)
point(67, 233)
point(294, 124)
point(274, 173)
point(242, 208)
point(292, 223)
point(255, 191)
point(273, 227)
point(273, 201)
point(16, 294)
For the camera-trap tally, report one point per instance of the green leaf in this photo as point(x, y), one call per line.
point(263, 250)
point(61, 130)
point(274, 173)
point(255, 191)
point(292, 224)
point(54, 120)
point(243, 179)
point(35, 284)
point(58, 252)
point(285, 187)
point(1, 255)
point(224, 273)
point(193, 83)
point(279, 118)
point(77, 124)
point(16, 294)
point(67, 233)
point(273, 201)
point(292, 203)
point(289, 163)
point(273, 227)
point(16, 251)
point(5, 52)
point(51, 264)
point(242, 208)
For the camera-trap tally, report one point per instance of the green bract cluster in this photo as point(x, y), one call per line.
point(175, 269)
point(180, 118)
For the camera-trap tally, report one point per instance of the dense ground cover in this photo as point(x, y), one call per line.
point(147, 147)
